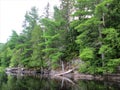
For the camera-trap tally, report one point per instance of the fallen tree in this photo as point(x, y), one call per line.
point(66, 72)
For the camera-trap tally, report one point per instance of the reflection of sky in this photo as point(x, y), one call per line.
point(12, 14)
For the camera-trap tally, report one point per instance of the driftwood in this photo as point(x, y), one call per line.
point(63, 73)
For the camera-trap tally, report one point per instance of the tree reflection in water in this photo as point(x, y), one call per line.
point(45, 83)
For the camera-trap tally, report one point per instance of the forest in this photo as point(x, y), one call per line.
point(82, 31)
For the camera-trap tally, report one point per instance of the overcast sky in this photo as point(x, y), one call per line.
point(12, 14)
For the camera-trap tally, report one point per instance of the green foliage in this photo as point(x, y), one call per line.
point(15, 60)
point(112, 65)
point(55, 58)
point(96, 32)
point(5, 56)
point(13, 41)
point(1, 46)
point(83, 68)
point(113, 17)
point(36, 59)
point(87, 54)
point(2, 69)
point(105, 49)
point(100, 70)
point(101, 8)
point(91, 33)
point(111, 34)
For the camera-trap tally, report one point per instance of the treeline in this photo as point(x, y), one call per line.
point(85, 29)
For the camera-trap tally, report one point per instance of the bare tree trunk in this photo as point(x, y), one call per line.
point(100, 35)
point(102, 55)
point(63, 66)
point(66, 72)
point(103, 19)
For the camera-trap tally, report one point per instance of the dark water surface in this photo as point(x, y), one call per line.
point(8, 82)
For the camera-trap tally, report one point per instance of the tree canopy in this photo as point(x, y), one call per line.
point(84, 29)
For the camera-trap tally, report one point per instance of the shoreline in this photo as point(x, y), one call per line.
point(55, 74)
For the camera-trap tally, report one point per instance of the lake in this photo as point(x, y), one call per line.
point(37, 82)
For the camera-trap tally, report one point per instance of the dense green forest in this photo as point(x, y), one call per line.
point(88, 30)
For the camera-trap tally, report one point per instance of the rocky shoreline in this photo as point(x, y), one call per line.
point(72, 75)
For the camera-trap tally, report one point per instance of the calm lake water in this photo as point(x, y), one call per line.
point(8, 82)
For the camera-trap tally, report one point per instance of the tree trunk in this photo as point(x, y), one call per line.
point(63, 73)
point(100, 35)
point(63, 66)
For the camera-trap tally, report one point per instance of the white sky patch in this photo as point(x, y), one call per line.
point(12, 14)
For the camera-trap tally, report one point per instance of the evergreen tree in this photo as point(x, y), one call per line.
point(93, 35)
point(31, 20)
point(37, 55)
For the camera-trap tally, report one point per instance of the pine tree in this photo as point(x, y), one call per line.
point(31, 20)
point(89, 33)
point(37, 55)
